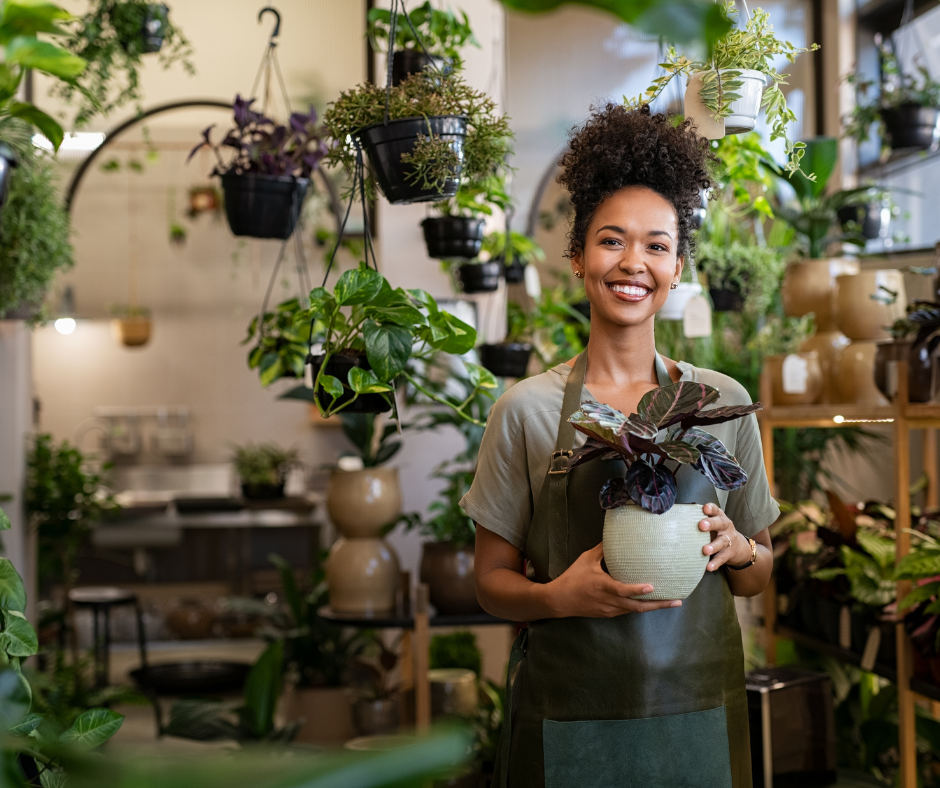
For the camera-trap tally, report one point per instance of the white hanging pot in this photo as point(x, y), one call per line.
point(674, 308)
point(744, 111)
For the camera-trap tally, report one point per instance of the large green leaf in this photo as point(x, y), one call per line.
point(388, 348)
point(14, 700)
point(263, 687)
point(358, 286)
point(28, 725)
point(29, 17)
point(480, 377)
point(10, 79)
point(47, 125)
point(12, 593)
point(92, 728)
point(364, 381)
point(18, 638)
point(331, 385)
point(819, 158)
point(881, 549)
point(5, 524)
point(272, 368)
point(53, 779)
point(43, 56)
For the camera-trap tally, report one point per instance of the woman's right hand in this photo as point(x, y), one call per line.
point(585, 589)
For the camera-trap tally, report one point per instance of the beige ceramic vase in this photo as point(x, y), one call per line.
point(363, 572)
point(862, 317)
point(828, 344)
point(796, 378)
point(855, 374)
point(809, 287)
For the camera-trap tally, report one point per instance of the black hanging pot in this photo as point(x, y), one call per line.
point(406, 62)
point(911, 126)
point(338, 367)
point(385, 145)
point(727, 298)
point(873, 219)
point(514, 272)
point(452, 236)
point(263, 206)
point(150, 19)
point(479, 277)
point(507, 359)
point(7, 163)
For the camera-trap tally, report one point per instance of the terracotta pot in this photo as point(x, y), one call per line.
point(828, 345)
point(920, 367)
point(854, 372)
point(325, 713)
point(362, 576)
point(860, 316)
point(190, 619)
point(796, 378)
point(448, 571)
point(453, 692)
point(131, 332)
point(361, 502)
point(371, 717)
point(809, 287)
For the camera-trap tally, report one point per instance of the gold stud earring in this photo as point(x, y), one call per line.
point(674, 286)
point(579, 274)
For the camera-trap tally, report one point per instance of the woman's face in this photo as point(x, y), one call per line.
point(630, 256)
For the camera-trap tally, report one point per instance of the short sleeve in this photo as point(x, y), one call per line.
point(751, 508)
point(500, 498)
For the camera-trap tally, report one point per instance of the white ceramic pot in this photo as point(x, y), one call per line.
point(674, 308)
point(664, 550)
point(796, 378)
point(744, 111)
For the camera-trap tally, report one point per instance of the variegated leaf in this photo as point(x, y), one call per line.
point(670, 404)
point(603, 414)
point(716, 463)
point(614, 494)
point(616, 442)
point(640, 426)
point(677, 450)
point(651, 486)
point(591, 450)
point(720, 415)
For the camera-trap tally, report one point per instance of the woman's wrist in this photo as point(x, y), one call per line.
point(744, 550)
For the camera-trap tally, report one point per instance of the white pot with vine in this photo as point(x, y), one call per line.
point(705, 87)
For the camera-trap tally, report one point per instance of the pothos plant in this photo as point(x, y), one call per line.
point(751, 48)
point(443, 33)
point(664, 434)
point(475, 198)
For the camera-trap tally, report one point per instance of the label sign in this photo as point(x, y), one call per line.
point(795, 374)
point(697, 318)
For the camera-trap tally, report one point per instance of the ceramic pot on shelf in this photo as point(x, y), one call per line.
point(448, 571)
point(372, 717)
point(854, 373)
point(828, 345)
point(862, 316)
point(453, 692)
point(796, 378)
point(920, 370)
point(809, 287)
point(325, 713)
point(362, 572)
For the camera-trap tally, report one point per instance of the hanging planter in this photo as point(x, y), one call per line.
point(742, 113)
point(7, 163)
point(911, 126)
point(406, 62)
point(518, 249)
point(132, 326)
point(506, 359)
point(727, 299)
point(479, 277)
point(871, 220)
point(514, 273)
point(142, 27)
point(453, 236)
point(263, 206)
point(339, 367)
point(741, 276)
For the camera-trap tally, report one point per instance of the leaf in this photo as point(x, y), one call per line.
point(720, 415)
point(680, 451)
point(29, 17)
point(358, 286)
point(919, 594)
point(669, 404)
point(49, 778)
point(480, 377)
point(388, 348)
point(591, 450)
point(716, 463)
point(12, 593)
point(271, 368)
point(614, 494)
point(652, 487)
point(263, 686)
point(331, 385)
point(201, 720)
point(48, 125)
point(28, 725)
point(881, 549)
point(5, 524)
point(604, 415)
point(450, 334)
point(640, 426)
point(363, 381)
point(92, 728)
point(29, 52)
point(918, 565)
point(425, 299)
point(14, 700)
point(18, 638)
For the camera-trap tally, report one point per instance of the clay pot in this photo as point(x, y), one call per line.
point(860, 316)
point(448, 571)
point(361, 502)
point(453, 692)
point(854, 372)
point(920, 366)
point(325, 713)
point(809, 286)
point(190, 619)
point(796, 378)
point(371, 717)
point(828, 345)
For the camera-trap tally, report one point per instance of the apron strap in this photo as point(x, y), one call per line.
point(571, 403)
point(501, 767)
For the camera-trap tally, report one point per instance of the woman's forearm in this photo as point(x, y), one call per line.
point(754, 579)
point(506, 593)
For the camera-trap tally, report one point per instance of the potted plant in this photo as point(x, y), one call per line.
point(280, 345)
point(914, 339)
point(869, 215)
point(262, 470)
point(515, 251)
point(907, 106)
point(441, 36)
point(422, 141)
point(131, 325)
point(646, 534)
point(266, 178)
point(741, 275)
point(510, 358)
point(728, 89)
point(377, 706)
point(113, 36)
point(458, 231)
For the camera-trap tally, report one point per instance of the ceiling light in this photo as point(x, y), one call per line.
point(65, 325)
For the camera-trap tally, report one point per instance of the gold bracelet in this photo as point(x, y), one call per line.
point(753, 560)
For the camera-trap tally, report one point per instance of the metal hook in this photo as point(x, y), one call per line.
point(277, 23)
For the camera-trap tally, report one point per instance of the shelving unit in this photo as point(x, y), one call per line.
point(903, 417)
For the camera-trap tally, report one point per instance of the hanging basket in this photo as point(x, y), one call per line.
point(514, 272)
point(386, 144)
point(338, 367)
point(479, 277)
point(873, 219)
point(726, 299)
point(406, 62)
point(263, 206)
point(132, 331)
point(507, 359)
point(911, 126)
point(453, 236)
point(154, 19)
point(744, 111)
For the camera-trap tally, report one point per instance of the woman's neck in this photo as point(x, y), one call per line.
point(622, 356)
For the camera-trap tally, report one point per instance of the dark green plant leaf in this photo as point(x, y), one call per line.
point(12, 592)
point(358, 286)
point(14, 699)
point(263, 687)
point(48, 125)
point(614, 494)
point(593, 449)
point(716, 463)
point(669, 404)
point(640, 426)
point(720, 415)
point(450, 334)
point(480, 377)
point(272, 368)
point(28, 725)
point(5, 524)
point(18, 638)
point(363, 381)
point(202, 720)
point(388, 347)
point(92, 728)
point(653, 487)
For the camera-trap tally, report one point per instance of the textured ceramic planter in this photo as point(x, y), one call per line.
point(325, 713)
point(796, 378)
point(664, 550)
point(453, 692)
point(372, 717)
point(861, 316)
point(828, 345)
point(854, 372)
point(448, 571)
point(744, 111)
point(920, 370)
point(361, 502)
point(809, 287)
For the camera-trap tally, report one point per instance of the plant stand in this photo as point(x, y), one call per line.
point(904, 416)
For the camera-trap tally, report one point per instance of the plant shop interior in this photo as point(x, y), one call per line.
point(256, 305)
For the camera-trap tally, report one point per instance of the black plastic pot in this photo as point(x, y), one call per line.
point(920, 369)
point(263, 206)
point(153, 19)
point(7, 163)
point(514, 272)
point(584, 307)
point(507, 359)
point(262, 492)
point(406, 62)
point(452, 236)
point(339, 367)
point(872, 219)
point(385, 145)
point(727, 299)
point(479, 277)
point(911, 126)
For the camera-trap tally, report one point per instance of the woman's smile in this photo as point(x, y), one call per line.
point(629, 290)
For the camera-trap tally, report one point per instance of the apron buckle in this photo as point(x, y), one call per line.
point(559, 462)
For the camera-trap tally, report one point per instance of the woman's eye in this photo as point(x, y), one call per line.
point(658, 248)
point(610, 242)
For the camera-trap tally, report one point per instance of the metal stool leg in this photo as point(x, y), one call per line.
point(141, 634)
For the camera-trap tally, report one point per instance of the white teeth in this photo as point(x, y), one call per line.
point(630, 290)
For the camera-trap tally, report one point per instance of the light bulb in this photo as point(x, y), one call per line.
point(65, 325)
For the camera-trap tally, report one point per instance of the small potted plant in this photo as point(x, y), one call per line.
point(515, 251)
point(914, 339)
point(266, 178)
point(458, 231)
point(741, 275)
point(131, 325)
point(869, 214)
point(442, 35)
point(510, 358)
point(435, 133)
point(647, 536)
point(377, 706)
point(908, 107)
point(727, 90)
point(262, 470)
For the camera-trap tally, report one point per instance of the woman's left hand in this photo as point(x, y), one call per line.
point(727, 546)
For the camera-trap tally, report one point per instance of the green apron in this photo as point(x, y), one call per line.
point(643, 700)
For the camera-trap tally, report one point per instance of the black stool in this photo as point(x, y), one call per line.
point(100, 601)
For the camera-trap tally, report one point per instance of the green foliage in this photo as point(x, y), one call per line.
point(433, 161)
point(476, 197)
point(374, 449)
point(753, 47)
point(266, 463)
point(518, 249)
point(754, 271)
point(457, 650)
point(922, 567)
point(556, 330)
point(442, 33)
point(34, 234)
point(109, 37)
point(870, 570)
point(280, 345)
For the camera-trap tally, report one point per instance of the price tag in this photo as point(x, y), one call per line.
point(308, 375)
point(845, 628)
point(795, 374)
point(870, 654)
point(533, 282)
point(697, 317)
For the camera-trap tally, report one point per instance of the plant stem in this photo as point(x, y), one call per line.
point(442, 401)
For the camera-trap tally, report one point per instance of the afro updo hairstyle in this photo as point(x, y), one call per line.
point(617, 147)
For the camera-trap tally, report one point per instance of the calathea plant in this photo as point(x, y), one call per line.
point(664, 431)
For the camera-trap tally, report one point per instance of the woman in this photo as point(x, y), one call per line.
point(613, 691)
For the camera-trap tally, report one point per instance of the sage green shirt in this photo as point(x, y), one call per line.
point(520, 437)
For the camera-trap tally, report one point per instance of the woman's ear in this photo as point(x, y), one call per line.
point(577, 264)
point(680, 263)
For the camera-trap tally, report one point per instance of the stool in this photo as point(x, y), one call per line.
point(100, 601)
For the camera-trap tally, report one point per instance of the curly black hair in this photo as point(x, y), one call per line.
point(617, 147)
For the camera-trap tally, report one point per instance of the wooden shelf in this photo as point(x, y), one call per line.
point(843, 415)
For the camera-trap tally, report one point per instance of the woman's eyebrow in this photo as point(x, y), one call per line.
point(660, 232)
point(613, 227)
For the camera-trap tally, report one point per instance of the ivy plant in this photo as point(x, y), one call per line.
point(476, 198)
point(442, 33)
point(280, 343)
